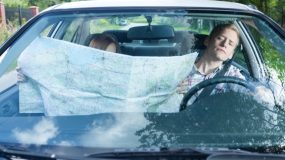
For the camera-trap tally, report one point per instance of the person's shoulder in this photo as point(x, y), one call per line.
point(235, 72)
point(234, 68)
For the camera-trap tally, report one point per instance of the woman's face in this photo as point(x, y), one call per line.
point(222, 46)
point(111, 47)
point(100, 45)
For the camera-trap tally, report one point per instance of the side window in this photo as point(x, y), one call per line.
point(239, 59)
point(271, 48)
point(100, 25)
point(270, 45)
point(72, 30)
point(201, 26)
point(46, 31)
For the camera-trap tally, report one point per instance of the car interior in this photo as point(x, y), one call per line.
point(156, 40)
point(142, 40)
point(163, 40)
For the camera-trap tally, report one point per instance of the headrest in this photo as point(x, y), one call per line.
point(151, 32)
point(121, 35)
point(199, 41)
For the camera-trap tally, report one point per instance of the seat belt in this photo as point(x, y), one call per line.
point(208, 90)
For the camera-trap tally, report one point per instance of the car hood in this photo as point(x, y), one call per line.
point(197, 126)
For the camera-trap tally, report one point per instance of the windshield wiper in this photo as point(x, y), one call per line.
point(11, 152)
point(253, 153)
point(160, 153)
point(189, 153)
point(243, 156)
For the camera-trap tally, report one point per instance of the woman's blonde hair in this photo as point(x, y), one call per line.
point(102, 41)
point(221, 27)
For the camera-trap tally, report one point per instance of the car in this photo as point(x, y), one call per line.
point(121, 22)
point(61, 99)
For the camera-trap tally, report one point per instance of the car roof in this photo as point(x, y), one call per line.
point(153, 3)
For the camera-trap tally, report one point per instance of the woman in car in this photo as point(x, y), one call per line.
point(105, 42)
point(221, 45)
point(100, 41)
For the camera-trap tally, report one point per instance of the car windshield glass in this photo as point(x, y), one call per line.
point(141, 79)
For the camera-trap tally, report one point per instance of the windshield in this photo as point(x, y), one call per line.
point(132, 80)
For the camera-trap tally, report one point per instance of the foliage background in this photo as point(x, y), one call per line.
point(273, 8)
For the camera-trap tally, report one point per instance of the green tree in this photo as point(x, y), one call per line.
point(273, 8)
point(16, 3)
point(280, 8)
point(43, 4)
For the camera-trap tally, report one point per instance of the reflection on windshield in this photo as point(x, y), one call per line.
point(106, 130)
point(198, 126)
point(114, 129)
point(212, 122)
point(40, 133)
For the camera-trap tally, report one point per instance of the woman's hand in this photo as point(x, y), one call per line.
point(20, 76)
point(182, 88)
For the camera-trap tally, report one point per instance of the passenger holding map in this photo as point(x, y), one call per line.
point(105, 42)
point(100, 41)
point(71, 79)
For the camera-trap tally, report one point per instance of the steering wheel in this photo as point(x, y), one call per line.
point(214, 81)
